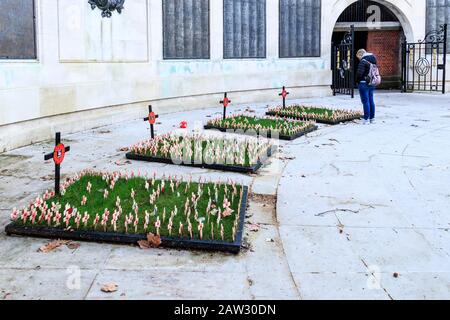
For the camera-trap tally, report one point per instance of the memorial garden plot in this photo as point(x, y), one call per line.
point(219, 152)
point(125, 208)
point(318, 114)
point(284, 129)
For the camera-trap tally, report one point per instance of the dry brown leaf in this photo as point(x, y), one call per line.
point(48, 247)
point(110, 288)
point(124, 149)
point(48, 178)
point(73, 245)
point(154, 240)
point(143, 244)
point(7, 296)
point(122, 163)
point(253, 227)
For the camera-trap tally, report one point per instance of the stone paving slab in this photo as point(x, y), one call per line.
point(319, 249)
point(384, 187)
point(418, 286)
point(160, 285)
point(44, 284)
point(338, 286)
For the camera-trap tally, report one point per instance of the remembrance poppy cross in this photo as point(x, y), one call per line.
point(284, 94)
point(152, 120)
point(57, 155)
point(225, 102)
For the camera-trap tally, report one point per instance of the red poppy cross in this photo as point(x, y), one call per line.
point(225, 102)
point(284, 94)
point(151, 118)
point(58, 155)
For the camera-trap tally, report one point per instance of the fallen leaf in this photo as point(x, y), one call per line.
point(270, 240)
point(48, 247)
point(47, 178)
point(287, 158)
point(73, 245)
point(124, 149)
point(110, 288)
point(253, 227)
point(143, 244)
point(7, 296)
point(154, 240)
point(120, 163)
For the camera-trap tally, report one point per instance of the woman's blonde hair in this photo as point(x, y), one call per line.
point(361, 53)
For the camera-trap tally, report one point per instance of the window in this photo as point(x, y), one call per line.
point(244, 28)
point(17, 29)
point(300, 28)
point(438, 13)
point(186, 29)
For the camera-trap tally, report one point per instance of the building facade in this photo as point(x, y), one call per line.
point(65, 67)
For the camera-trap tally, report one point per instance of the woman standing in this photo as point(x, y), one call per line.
point(366, 91)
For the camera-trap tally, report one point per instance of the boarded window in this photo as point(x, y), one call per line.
point(244, 29)
point(438, 13)
point(17, 29)
point(300, 28)
point(186, 29)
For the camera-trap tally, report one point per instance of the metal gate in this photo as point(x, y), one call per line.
point(343, 65)
point(424, 62)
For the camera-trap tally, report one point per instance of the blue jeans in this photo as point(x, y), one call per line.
point(366, 92)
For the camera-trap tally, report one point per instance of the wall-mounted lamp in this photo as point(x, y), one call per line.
point(107, 6)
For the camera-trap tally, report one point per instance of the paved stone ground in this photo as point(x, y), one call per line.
point(356, 204)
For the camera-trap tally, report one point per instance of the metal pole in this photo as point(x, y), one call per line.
point(352, 58)
point(334, 68)
point(404, 67)
point(445, 59)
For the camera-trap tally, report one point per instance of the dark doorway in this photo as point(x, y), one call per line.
point(384, 40)
point(360, 41)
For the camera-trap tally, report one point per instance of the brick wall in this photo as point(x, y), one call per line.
point(386, 46)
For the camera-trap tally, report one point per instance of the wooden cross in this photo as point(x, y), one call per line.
point(57, 155)
point(284, 94)
point(152, 120)
point(225, 102)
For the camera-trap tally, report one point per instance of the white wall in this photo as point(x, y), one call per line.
point(93, 71)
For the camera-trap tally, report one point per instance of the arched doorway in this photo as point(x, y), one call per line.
point(379, 31)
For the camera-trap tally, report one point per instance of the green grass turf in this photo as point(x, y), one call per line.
point(205, 145)
point(317, 113)
point(316, 110)
point(281, 125)
point(97, 204)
